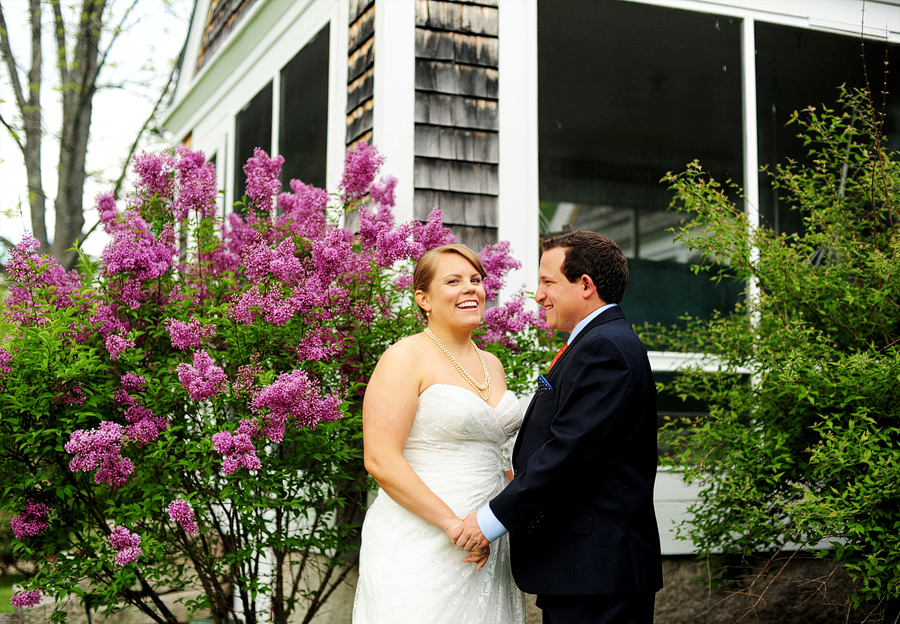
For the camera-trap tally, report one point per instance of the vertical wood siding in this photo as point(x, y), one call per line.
point(456, 124)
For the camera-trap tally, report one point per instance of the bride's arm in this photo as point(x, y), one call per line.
point(389, 408)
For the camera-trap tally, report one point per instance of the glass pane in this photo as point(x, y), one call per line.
point(303, 134)
point(628, 92)
point(252, 128)
point(797, 68)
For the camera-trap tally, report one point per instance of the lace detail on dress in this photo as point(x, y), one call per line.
point(408, 570)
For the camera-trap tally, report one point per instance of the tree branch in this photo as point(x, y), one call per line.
point(119, 28)
point(10, 60)
point(131, 150)
point(13, 133)
point(156, 107)
point(89, 76)
point(62, 53)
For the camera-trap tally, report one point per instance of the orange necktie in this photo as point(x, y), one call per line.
point(556, 357)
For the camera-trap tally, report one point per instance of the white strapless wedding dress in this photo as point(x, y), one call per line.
point(409, 571)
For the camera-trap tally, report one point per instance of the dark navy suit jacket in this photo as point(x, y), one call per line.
point(580, 509)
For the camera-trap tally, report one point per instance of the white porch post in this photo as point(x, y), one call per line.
point(518, 112)
point(395, 96)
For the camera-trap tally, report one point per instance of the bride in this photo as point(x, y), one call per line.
point(437, 428)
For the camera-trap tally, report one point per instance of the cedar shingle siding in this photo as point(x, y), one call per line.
point(456, 125)
point(222, 17)
point(361, 71)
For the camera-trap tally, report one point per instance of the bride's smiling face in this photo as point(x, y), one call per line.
point(456, 294)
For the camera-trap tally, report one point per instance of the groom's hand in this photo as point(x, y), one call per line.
point(471, 538)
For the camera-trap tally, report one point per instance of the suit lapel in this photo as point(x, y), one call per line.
point(606, 316)
point(611, 314)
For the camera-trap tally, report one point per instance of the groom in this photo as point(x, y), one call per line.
point(579, 512)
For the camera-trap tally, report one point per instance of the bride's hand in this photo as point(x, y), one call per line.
point(454, 528)
point(478, 556)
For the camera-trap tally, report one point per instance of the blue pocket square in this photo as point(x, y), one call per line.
point(543, 385)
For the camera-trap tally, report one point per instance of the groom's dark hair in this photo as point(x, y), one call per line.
point(594, 255)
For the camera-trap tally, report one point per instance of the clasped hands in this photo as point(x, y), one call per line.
point(467, 535)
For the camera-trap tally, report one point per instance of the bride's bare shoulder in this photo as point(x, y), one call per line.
point(405, 352)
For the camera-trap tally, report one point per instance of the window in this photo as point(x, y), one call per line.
point(303, 131)
point(628, 92)
point(253, 128)
point(797, 68)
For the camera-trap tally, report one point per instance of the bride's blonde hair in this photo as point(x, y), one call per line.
point(426, 266)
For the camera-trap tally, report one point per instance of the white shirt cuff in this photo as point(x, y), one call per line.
point(489, 525)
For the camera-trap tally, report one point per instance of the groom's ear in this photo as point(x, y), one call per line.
point(588, 289)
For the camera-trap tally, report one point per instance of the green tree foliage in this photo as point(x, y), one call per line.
point(803, 450)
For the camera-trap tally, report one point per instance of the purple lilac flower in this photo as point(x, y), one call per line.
point(360, 168)
point(133, 383)
point(373, 223)
point(332, 253)
point(303, 211)
point(387, 244)
point(383, 191)
point(32, 273)
point(100, 448)
point(5, 358)
point(497, 261)
point(261, 261)
point(317, 345)
point(262, 178)
point(285, 265)
point(504, 322)
point(181, 512)
point(26, 598)
point(246, 379)
point(198, 185)
point(122, 398)
point(256, 258)
point(67, 394)
point(273, 306)
point(403, 281)
point(294, 396)
point(155, 174)
point(106, 322)
point(203, 379)
point(116, 345)
point(237, 234)
point(137, 255)
point(32, 521)
point(109, 214)
point(238, 448)
point(188, 335)
point(136, 251)
point(397, 244)
point(144, 426)
point(127, 543)
point(433, 233)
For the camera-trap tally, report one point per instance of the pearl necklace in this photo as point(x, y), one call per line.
point(479, 388)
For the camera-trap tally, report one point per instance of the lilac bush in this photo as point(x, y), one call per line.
point(178, 415)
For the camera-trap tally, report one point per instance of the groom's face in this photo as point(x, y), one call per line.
point(562, 300)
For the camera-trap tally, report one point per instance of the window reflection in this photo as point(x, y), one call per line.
point(303, 136)
point(628, 92)
point(795, 69)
